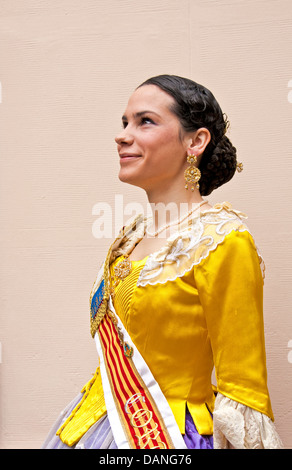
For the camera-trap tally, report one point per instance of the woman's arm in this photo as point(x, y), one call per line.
point(230, 286)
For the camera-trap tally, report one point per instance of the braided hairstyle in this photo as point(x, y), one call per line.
point(196, 107)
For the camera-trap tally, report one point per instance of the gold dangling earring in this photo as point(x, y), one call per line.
point(192, 173)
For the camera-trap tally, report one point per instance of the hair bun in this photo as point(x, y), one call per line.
point(218, 167)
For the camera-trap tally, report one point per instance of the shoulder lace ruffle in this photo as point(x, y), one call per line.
point(188, 247)
point(237, 426)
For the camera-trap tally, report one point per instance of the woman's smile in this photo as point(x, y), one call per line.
point(128, 156)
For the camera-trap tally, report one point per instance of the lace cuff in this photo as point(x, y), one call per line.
point(237, 426)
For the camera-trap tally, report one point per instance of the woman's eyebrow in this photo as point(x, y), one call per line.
point(139, 114)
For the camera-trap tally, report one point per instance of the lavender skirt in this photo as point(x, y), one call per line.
point(100, 436)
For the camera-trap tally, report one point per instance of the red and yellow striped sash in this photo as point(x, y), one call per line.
point(140, 418)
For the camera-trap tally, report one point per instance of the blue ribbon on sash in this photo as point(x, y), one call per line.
point(97, 300)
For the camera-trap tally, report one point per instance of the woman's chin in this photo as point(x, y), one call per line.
point(139, 183)
point(126, 177)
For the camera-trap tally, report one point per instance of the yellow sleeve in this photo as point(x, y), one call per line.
point(230, 286)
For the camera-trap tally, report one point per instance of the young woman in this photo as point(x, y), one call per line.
point(174, 299)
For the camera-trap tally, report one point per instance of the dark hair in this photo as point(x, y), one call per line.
point(196, 107)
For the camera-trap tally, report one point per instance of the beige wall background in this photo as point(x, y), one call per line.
point(67, 69)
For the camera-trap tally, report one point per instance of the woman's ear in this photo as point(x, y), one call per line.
point(199, 141)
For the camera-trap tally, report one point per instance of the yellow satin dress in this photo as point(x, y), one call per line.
point(211, 316)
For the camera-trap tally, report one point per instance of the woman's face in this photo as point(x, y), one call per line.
point(152, 152)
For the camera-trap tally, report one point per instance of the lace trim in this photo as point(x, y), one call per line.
point(190, 246)
point(237, 426)
point(151, 264)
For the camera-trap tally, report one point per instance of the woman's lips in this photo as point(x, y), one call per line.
point(128, 156)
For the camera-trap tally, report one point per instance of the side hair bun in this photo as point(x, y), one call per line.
point(218, 167)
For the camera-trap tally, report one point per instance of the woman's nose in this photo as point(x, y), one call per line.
point(124, 137)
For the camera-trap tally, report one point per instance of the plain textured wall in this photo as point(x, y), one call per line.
point(67, 69)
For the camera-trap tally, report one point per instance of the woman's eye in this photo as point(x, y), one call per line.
point(146, 120)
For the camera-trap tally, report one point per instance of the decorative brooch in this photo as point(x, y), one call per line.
point(239, 167)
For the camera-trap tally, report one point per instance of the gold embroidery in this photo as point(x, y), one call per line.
point(121, 271)
point(140, 419)
point(123, 268)
point(128, 350)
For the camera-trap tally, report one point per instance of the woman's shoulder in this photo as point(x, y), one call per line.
point(225, 226)
point(218, 220)
point(222, 209)
point(221, 224)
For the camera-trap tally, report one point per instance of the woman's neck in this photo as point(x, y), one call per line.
point(171, 205)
